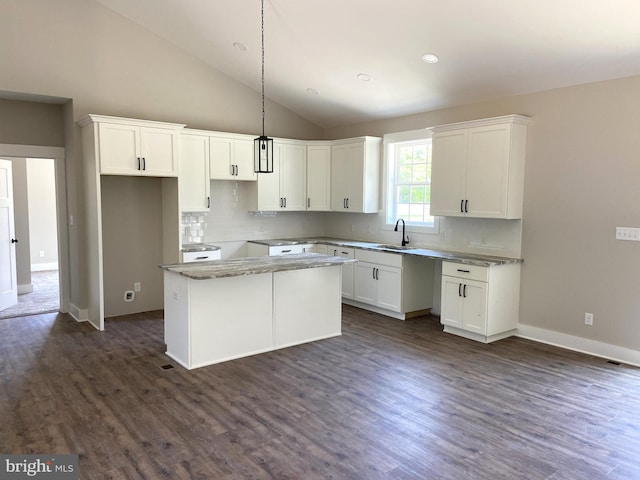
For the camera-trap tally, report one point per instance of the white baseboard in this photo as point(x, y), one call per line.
point(44, 267)
point(579, 344)
point(25, 288)
point(80, 314)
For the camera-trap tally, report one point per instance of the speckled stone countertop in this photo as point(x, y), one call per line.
point(460, 257)
point(254, 265)
point(199, 247)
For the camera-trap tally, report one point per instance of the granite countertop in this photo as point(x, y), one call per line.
point(460, 257)
point(253, 265)
point(199, 247)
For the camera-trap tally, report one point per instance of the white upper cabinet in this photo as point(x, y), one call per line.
point(135, 147)
point(285, 188)
point(231, 157)
point(355, 175)
point(319, 177)
point(478, 168)
point(194, 184)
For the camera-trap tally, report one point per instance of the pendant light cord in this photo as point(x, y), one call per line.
point(262, 31)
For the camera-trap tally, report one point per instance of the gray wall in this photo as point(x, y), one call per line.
point(78, 50)
point(582, 180)
point(43, 241)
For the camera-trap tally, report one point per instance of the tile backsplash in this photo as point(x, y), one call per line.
point(192, 227)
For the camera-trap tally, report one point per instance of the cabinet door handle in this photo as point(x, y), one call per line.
point(285, 202)
point(139, 163)
point(308, 202)
point(466, 206)
point(347, 202)
point(144, 163)
point(462, 206)
point(208, 202)
point(464, 271)
point(373, 273)
point(464, 291)
point(236, 170)
point(280, 202)
point(377, 274)
point(232, 168)
point(459, 289)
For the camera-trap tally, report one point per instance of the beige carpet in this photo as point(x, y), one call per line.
point(44, 298)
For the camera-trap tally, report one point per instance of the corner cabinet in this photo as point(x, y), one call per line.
point(478, 302)
point(319, 178)
point(355, 175)
point(135, 147)
point(194, 185)
point(478, 168)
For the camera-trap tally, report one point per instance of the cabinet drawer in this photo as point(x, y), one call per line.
point(345, 252)
point(461, 270)
point(203, 256)
point(286, 249)
point(380, 258)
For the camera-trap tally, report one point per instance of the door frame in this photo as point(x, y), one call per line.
point(58, 155)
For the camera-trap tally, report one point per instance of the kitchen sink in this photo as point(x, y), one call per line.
point(395, 247)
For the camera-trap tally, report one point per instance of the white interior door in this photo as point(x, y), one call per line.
point(8, 279)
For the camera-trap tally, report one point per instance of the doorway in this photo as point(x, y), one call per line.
point(35, 219)
point(43, 283)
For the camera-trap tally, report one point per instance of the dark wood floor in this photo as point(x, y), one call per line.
point(386, 400)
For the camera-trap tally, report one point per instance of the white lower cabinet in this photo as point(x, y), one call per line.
point(379, 285)
point(393, 284)
point(348, 269)
point(478, 302)
point(260, 250)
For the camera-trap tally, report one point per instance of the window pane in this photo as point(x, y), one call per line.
point(404, 194)
point(405, 174)
point(420, 173)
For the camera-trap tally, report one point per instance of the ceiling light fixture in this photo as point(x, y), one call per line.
point(263, 146)
point(430, 58)
point(364, 77)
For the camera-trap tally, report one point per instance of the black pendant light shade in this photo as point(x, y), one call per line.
point(263, 154)
point(263, 146)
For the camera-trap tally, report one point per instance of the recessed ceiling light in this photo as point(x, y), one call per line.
point(430, 58)
point(364, 77)
point(312, 91)
point(240, 46)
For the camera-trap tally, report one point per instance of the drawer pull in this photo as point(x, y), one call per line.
point(286, 251)
point(202, 258)
point(464, 271)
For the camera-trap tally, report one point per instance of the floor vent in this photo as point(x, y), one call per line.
point(167, 367)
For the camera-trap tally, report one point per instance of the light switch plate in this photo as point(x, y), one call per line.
point(628, 233)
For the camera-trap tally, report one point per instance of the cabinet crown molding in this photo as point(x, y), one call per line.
point(482, 122)
point(93, 118)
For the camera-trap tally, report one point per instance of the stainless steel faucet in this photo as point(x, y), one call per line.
point(405, 240)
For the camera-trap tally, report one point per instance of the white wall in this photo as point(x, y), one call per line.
point(43, 231)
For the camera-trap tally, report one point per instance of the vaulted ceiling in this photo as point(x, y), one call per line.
point(316, 49)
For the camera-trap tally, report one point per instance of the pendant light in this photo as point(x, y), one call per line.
point(263, 146)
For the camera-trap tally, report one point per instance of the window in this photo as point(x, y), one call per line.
point(409, 181)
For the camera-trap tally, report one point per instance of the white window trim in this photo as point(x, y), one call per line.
point(387, 145)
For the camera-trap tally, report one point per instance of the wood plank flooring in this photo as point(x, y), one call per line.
point(386, 400)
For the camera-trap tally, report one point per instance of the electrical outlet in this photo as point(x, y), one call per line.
point(129, 296)
point(136, 287)
point(588, 318)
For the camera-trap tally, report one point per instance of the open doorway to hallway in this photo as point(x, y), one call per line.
point(35, 213)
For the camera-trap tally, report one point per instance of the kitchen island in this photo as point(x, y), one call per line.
point(222, 310)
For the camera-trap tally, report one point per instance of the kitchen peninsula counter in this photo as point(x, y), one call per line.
point(226, 309)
